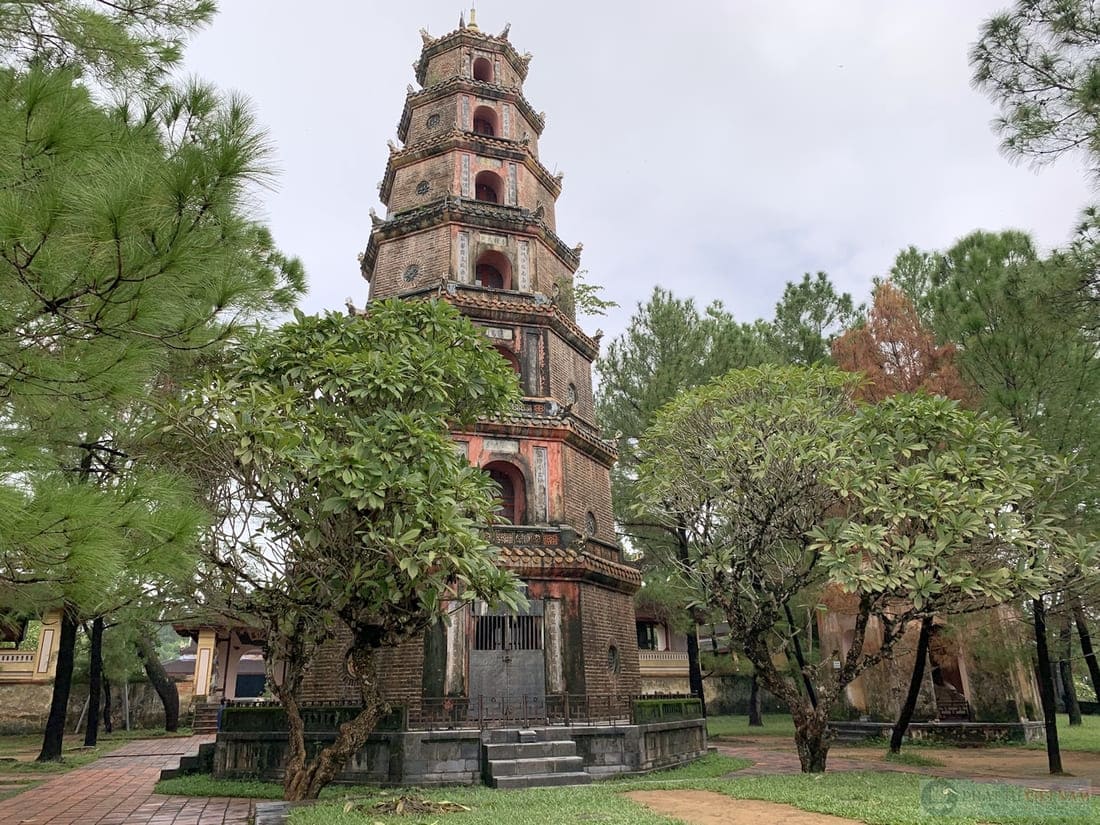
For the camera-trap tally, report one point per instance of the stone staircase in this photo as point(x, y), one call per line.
point(531, 759)
point(204, 717)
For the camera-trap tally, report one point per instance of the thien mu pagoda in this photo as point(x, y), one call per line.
point(470, 219)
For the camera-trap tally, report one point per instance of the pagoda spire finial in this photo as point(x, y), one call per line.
point(473, 17)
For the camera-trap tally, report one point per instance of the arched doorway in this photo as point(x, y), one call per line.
point(512, 493)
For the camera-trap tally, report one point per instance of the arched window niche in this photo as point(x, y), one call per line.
point(485, 121)
point(488, 187)
point(512, 493)
point(483, 70)
point(493, 270)
point(510, 357)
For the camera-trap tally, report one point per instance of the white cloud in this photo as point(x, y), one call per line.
point(716, 148)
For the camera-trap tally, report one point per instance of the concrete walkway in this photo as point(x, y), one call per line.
point(117, 789)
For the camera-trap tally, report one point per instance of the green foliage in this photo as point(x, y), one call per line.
point(787, 491)
point(338, 428)
point(1039, 63)
point(1022, 343)
point(809, 317)
point(129, 43)
point(574, 295)
point(324, 448)
point(940, 508)
point(152, 200)
point(657, 710)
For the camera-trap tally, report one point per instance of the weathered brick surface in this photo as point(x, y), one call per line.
point(587, 487)
point(430, 250)
point(438, 172)
point(419, 130)
point(570, 367)
point(608, 620)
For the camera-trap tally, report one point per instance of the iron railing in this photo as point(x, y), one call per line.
point(525, 710)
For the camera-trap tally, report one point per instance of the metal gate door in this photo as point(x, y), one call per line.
point(508, 666)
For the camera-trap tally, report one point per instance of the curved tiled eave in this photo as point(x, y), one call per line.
point(470, 213)
point(567, 429)
point(473, 38)
point(506, 306)
point(480, 88)
point(567, 563)
point(482, 145)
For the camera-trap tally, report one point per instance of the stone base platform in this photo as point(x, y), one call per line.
point(963, 734)
point(461, 757)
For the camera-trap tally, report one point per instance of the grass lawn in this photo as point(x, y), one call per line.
point(775, 724)
point(24, 747)
point(1084, 737)
point(875, 798)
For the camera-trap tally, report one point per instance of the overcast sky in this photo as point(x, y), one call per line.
point(718, 149)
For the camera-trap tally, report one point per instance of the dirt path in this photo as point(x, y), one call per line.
point(710, 808)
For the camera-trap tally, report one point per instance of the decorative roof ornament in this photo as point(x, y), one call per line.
point(426, 38)
point(473, 20)
point(374, 219)
point(462, 20)
point(504, 33)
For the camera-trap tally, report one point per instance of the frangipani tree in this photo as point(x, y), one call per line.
point(912, 507)
point(324, 447)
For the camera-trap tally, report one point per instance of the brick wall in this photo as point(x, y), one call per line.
point(437, 172)
point(608, 619)
point(446, 108)
point(587, 486)
point(567, 366)
point(430, 250)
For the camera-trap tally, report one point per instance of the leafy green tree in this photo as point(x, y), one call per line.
point(118, 43)
point(1039, 63)
point(910, 507)
point(809, 317)
point(669, 346)
point(127, 251)
point(343, 503)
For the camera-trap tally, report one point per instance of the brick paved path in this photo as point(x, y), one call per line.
point(118, 790)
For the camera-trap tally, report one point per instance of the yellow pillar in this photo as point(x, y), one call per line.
point(49, 643)
point(204, 661)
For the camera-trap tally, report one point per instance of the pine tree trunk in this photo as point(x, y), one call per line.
point(800, 657)
point(108, 724)
point(915, 680)
point(158, 678)
point(1046, 686)
point(1086, 645)
point(53, 740)
point(756, 718)
point(95, 682)
point(1065, 668)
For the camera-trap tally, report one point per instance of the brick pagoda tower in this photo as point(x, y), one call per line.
point(470, 220)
